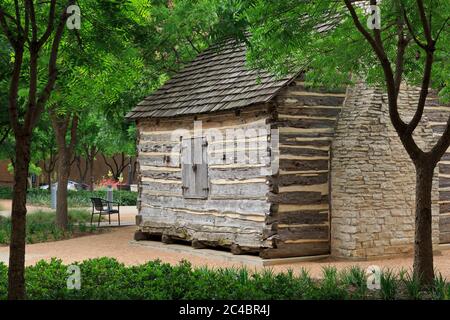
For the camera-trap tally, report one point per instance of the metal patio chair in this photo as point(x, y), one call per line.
point(104, 207)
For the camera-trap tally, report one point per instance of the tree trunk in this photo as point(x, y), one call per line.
point(62, 217)
point(65, 153)
point(423, 244)
point(49, 181)
point(91, 173)
point(16, 271)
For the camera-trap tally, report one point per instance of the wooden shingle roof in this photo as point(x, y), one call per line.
point(218, 79)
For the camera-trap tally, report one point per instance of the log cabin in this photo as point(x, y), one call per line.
point(235, 157)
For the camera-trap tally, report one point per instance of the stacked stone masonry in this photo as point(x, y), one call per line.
point(373, 178)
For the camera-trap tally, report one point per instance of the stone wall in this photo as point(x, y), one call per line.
point(373, 178)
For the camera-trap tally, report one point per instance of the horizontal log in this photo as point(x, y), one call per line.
point(298, 179)
point(236, 173)
point(306, 132)
point(301, 197)
point(206, 221)
point(313, 112)
point(444, 207)
point(173, 187)
point(444, 182)
point(444, 223)
point(157, 147)
point(444, 195)
point(303, 232)
point(216, 239)
point(444, 237)
point(303, 152)
point(306, 123)
point(301, 141)
point(158, 160)
point(303, 165)
point(212, 120)
point(242, 190)
point(299, 217)
point(296, 250)
point(254, 207)
point(444, 168)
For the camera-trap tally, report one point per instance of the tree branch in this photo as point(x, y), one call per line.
point(49, 29)
point(423, 93)
point(73, 132)
point(425, 22)
point(402, 43)
point(397, 122)
point(441, 29)
point(14, 89)
point(29, 7)
point(107, 163)
point(52, 69)
point(410, 28)
point(4, 25)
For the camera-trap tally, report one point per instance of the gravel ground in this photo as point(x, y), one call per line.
point(116, 244)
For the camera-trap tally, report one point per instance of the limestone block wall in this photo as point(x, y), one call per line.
point(373, 178)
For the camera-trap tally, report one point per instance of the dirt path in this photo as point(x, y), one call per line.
point(5, 208)
point(116, 243)
point(127, 213)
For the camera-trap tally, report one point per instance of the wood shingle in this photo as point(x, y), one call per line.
point(218, 79)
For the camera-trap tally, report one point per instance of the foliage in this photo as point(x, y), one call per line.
point(388, 284)
point(5, 192)
point(32, 169)
point(82, 198)
point(106, 278)
point(285, 38)
point(412, 284)
point(355, 279)
point(41, 227)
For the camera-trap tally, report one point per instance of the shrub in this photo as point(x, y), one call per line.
point(388, 284)
point(355, 278)
point(5, 192)
point(106, 278)
point(411, 283)
point(81, 198)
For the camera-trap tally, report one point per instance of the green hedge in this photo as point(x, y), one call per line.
point(5, 192)
point(80, 198)
point(105, 278)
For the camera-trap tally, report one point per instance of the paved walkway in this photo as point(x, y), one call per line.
point(117, 243)
point(5, 208)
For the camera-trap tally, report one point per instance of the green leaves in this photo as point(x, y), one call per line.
point(285, 38)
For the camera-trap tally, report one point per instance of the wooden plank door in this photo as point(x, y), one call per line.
point(194, 168)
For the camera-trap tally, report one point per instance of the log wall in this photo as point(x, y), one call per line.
point(234, 215)
point(300, 212)
point(288, 212)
